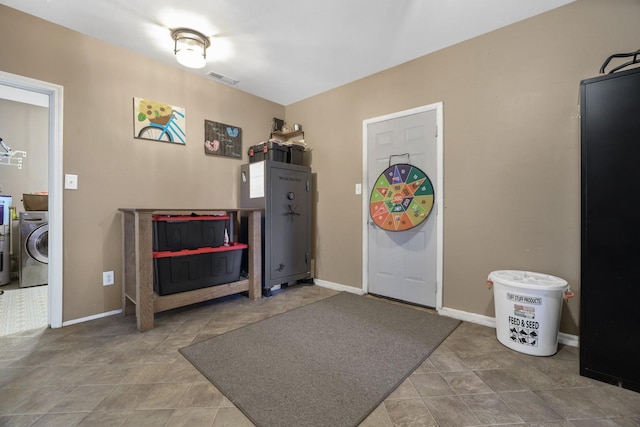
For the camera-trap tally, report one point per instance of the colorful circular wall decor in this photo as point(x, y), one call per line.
point(401, 198)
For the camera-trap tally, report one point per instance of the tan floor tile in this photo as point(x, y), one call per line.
point(201, 395)
point(490, 409)
point(447, 362)
point(10, 375)
point(134, 377)
point(83, 398)
point(431, 385)
point(163, 396)
point(148, 373)
point(378, 418)
point(125, 397)
point(231, 417)
point(191, 417)
point(450, 411)
point(425, 368)
point(18, 420)
point(108, 374)
point(529, 406)
point(465, 382)
point(500, 380)
point(406, 390)
point(41, 400)
point(149, 418)
point(409, 412)
point(104, 419)
point(59, 420)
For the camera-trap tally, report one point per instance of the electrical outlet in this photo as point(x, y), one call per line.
point(107, 278)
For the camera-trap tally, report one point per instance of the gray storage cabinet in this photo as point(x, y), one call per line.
point(283, 190)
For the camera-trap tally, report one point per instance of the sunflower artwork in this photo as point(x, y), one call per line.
point(222, 140)
point(158, 121)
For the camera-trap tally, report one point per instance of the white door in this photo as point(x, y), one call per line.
point(405, 265)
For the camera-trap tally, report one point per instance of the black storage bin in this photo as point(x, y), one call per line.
point(188, 270)
point(296, 154)
point(270, 150)
point(175, 233)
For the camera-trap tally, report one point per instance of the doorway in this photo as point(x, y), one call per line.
point(404, 264)
point(25, 89)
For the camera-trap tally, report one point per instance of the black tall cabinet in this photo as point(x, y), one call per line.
point(610, 250)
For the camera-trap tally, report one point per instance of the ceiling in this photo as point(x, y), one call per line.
point(288, 50)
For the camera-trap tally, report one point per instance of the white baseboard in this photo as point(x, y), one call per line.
point(468, 317)
point(337, 287)
point(93, 317)
point(566, 339)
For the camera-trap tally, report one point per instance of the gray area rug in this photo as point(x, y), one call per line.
point(329, 363)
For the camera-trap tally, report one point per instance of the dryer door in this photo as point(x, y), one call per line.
point(38, 244)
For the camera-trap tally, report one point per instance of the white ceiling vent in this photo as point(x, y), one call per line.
point(222, 78)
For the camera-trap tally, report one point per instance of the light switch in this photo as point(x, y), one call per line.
point(358, 188)
point(70, 182)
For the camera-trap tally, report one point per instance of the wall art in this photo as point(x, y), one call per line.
point(158, 121)
point(222, 140)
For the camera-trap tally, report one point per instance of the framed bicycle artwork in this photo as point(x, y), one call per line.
point(158, 121)
point(222, 140)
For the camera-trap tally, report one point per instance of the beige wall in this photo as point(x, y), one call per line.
point(511, 141)
point(511, 148)
point(114, 169)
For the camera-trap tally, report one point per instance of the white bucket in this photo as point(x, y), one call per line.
point(528, 307)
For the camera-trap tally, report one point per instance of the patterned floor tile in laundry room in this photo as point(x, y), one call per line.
point(23, 309)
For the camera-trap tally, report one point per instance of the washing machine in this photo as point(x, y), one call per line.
point(34, 248)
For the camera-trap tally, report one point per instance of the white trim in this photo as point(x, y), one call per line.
point(54, 94)
point(566, 339)
point(468, 317)
point(24, 96)
point(337, 287)
point(440, 203)
point(439, 211)
point(92, 317)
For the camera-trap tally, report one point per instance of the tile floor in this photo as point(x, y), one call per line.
point(106, 373)
point(23, 308)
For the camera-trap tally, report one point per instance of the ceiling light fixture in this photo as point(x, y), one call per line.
point(190, 47)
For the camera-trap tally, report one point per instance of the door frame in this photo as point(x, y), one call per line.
point(439, 197)
point(54, 94)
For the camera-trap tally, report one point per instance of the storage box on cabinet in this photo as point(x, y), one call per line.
point(270, 150)
point(296, 154)
point(187, 270)
point(174, 233)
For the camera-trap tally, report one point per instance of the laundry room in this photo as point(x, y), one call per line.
point(23, 209)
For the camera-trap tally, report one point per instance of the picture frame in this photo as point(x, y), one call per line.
point(159, 121)
point(222, 139)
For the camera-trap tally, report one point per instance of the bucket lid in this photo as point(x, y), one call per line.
point(528, 280)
